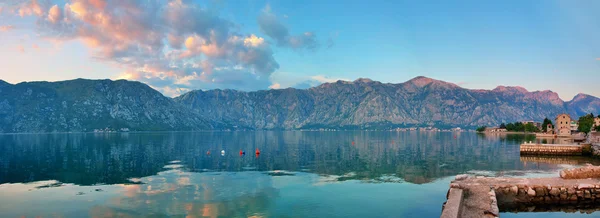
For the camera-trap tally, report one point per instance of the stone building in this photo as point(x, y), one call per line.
point(574, 125)
point(536, 124)
point(597, 121)
point(562, 125)
point(495, 129)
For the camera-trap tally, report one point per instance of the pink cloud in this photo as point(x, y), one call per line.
point(173, 43)
point(54, 14)
point(6, 28)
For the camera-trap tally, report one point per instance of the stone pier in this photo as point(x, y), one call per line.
point(555, 149)
point(487, 197)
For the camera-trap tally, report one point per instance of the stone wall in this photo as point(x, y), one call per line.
point(581, 173)
point(550, 159)
point(521, 194)
point(541, 149)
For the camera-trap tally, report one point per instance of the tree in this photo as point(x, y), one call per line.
point(597, 128)
point(519, 127)
point(585, 123)
point(529, 127)
point(502, 126)
point(481, 128)
point(545, 124)
point(510, 127)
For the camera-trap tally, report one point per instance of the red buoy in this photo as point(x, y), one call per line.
point(257, 151)
point(242, 152)
point(352, 143)
point(208, 152)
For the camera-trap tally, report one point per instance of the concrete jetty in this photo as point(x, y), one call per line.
point(487, 197)
point(570, 160)
point(555, 149)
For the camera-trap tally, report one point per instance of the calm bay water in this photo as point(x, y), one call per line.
point(297, 174)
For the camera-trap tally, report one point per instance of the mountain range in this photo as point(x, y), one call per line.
point(85, 105)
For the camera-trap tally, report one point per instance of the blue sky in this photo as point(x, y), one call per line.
point(176, 46)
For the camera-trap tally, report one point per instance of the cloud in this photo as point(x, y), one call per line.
point(21, 48)
point(163, 43)
point(6, 28)
point(285, 80)
point(35, 46)
point(275, 86)
point(54, 14)
point(172, 45)
point(598, 59)
point(33, 7)
point(270, 25)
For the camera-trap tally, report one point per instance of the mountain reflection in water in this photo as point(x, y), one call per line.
point(416, 157)
point(297, 174)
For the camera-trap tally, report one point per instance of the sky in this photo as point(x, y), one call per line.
point(180, 45)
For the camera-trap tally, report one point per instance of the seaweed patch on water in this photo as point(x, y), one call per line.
point(280, 173)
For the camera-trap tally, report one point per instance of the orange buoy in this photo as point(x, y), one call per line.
point(257, 151)
point(352, 143)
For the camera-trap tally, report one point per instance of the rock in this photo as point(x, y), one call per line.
point(539, 191)
point(531, 192)
point(554, 192)
point(461, 177)
point(573, 198)
point(563, 174)
point(571, 191)
point(585, 186)
point(514, 190)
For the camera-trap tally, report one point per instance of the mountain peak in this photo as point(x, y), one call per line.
point(363, 80)
point(510, 89)
point(582, 96)
point(421, 81)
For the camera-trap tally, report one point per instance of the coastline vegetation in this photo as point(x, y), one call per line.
point(586, 123)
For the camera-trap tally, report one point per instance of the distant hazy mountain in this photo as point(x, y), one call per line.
point(369, 104)
point(85, 105)
point(584, 104)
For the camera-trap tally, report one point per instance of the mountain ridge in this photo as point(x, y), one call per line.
point(85, 105)
point(365, 103)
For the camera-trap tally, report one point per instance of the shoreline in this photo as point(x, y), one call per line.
point(505, 133)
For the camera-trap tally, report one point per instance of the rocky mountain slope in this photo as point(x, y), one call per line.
point(85, 105)
point(369, 104)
